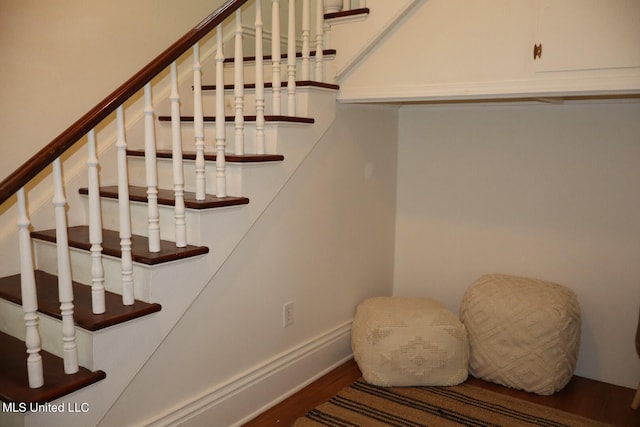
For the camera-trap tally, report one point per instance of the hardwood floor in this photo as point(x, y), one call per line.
point(589, 398)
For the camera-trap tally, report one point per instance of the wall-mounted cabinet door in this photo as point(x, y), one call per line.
point(587, 34)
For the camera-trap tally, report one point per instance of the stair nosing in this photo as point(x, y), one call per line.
point(78, 237)
point(347, 13)
point(167, 198)
point(231, 119)
point(269, 85)
point(229, 157)
point(84, 318)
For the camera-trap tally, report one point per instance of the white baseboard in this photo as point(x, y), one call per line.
point(248, 394)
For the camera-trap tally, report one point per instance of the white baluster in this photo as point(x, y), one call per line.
point(95, 228)
point(29, 298)
point(276, 57)
point(260, 144)
point(65, 288)
point(178, 173)
point(306, 74)
point(346, 4)
point(319, 41)
point(198, 124)
point(238, 62)
point(332, 6)
point(153, 215)
point(362, 4)
point(291, 60)
point(221, 179)
point(126, 260)
point(327, 32)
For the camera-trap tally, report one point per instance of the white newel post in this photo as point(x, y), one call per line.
point(221, 180)
point(276, 57)
point(95, 228)
point(65, 288)
point(306, 33)
point(124, 212)
point(29, 298)
point(198, 124)
point(238, 63)
point(152, 172)
point(319, 41)
point(176, 157)
point(260, 144)
point(291, 60)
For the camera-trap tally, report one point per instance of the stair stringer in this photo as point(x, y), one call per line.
point(123, 350)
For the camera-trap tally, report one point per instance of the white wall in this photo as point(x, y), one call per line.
point(60, 58)
point(325, 243)
point(545, 191)
point(467, 49)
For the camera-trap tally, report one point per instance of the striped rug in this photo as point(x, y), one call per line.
point(365, 405)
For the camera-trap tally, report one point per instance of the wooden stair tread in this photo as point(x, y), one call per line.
point(346, 13)
point(13, 375)
point(167, 197)
point(230, 158)
point(267, 85)
point(231, 119)
point(48, 303)
point(78, 237)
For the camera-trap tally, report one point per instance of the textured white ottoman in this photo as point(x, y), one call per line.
point(409, 342)
point(523, 333)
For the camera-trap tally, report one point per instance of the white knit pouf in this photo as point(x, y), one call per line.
point(523, 333)
point(409, 342)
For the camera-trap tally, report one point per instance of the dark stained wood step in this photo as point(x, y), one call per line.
point(79, 238)
point(167, 197)
point(268, 85)
point(230, 119)
point(346, 13)
point(14, 385)
point(285, 55)
point(48, 302)
point(230, 158)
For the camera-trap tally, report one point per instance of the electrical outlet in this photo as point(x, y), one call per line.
point(287, 314)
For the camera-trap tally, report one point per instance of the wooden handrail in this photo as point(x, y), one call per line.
point(25, 173)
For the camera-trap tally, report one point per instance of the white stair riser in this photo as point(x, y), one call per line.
point(46, 259)
point(271, 132)
point(164, 138)
point(11, 318)
point(249, 102)
point(139, 225)
point(250, 71)
point(136, 168)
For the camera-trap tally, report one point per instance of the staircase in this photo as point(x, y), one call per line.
point(98, 246)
